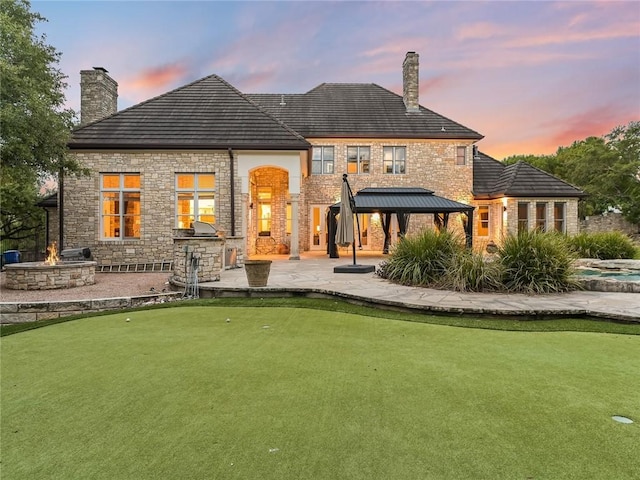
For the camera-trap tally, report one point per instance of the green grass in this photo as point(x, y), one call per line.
point(180, 393)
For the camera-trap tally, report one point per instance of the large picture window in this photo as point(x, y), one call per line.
point(195, 198)
point(394, 159)
point(120, 206)
point(358, 159)
point(322, 160)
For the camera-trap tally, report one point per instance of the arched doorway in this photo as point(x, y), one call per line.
point(269, 224)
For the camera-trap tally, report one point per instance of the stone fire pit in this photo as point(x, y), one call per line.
point(40, 276)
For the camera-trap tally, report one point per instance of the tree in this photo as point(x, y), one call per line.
point(606, 168)
point(35, 125)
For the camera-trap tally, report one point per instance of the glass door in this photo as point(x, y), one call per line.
point(318, 233)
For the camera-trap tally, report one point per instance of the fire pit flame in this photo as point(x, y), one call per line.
point(52, 255)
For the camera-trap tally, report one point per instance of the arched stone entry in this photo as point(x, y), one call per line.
point(270, 216)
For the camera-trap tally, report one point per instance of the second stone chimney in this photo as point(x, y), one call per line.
point(98, 95)
point(410, 83)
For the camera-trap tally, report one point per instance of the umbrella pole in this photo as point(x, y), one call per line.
point(352, 202)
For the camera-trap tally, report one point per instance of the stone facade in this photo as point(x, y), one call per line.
point(158, 171)
point(99, 95)
point(209, 252)
point(38, 276)
point(609, 222)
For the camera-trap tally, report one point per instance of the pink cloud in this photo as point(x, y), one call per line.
point(161, 77)
point(480, 30)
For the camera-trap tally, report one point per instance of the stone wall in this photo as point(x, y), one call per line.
point(99, 95)
point(209, 252)
point(608, 222)
point(430, 164)
point(157, 170)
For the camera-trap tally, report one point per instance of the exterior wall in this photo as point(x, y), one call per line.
point(157, 170)
point(511, 214)
point(430, 164)
point(607, 223)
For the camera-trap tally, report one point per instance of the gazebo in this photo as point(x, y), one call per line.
point(402, 202)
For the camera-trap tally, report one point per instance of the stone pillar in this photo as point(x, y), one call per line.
point(98, 95)
point(411, 83)
point(294, 252)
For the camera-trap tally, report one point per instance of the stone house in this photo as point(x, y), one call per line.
point(266, 168)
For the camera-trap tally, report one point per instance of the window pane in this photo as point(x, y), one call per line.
point(328, 167)
point(327, 154)
point(387, 153)
point(316, 167)
point(206, 208)
point(352, 154)
point(206, 181)
point(317, 153)
point(111, 226)
point(401, 153)
point(186, 181)
point(111, 181)
point(111, 203)
point(461, 153)
point(352, 167)
point(132, 181)
point(523, 217)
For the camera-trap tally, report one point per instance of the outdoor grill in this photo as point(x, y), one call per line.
point(74, 254)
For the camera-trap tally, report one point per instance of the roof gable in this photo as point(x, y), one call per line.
point(363, 110)
point(493, 179)
point(208, 113)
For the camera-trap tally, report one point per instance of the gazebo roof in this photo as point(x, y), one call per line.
point(405, 200)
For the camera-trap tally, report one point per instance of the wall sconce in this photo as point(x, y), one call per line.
point(504, 208)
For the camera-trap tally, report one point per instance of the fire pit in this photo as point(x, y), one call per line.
point(50, 274)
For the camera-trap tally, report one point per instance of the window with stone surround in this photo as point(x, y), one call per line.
point(541, 216)
point(559, 214)
point(195, 198)
point(322, 160)
point(120, 206)
point(394, 159)
point(523, 216)
point(483, 220)
point(461, 155)
point(358, 159)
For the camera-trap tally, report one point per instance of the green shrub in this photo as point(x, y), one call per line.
point(471, 272)
point(602, 245)
point(422, 260)
point(536, 262)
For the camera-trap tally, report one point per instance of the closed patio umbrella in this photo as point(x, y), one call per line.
point(345, 233)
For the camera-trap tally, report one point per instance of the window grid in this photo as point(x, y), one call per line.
point(322, 160)
point(358, 160)
point(523, 217)
point(461, 155)
point(541, 216)
point(394, 160)
point(483, 221)
point(559, 214)
point(195, 198)
point(120, 206)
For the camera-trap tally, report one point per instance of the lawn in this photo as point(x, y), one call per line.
point(299, 393)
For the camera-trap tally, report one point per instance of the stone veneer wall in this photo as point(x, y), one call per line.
point(571, 213)
point(430, 164)
point(157, 170)
point(608, 222)
point(208, 250)
point(36, 276)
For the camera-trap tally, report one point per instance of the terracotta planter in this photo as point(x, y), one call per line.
point(257, 272)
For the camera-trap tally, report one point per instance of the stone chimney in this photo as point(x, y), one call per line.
point(98, 95)
point(410, 83)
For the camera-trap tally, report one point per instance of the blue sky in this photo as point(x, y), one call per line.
point(529, 75)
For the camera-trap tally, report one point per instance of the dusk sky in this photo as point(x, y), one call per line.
point(528, 75)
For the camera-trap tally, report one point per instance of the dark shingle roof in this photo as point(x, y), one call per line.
point(208, 113)
point(493, 179)
point(410, 200)
point(363, 110)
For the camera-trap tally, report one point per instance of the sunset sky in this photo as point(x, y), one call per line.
point(528, 75)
